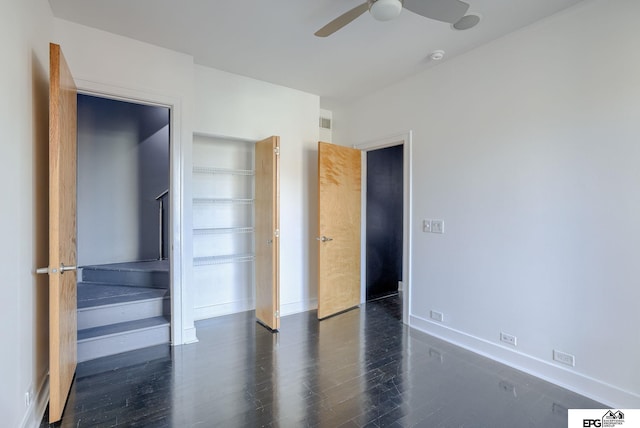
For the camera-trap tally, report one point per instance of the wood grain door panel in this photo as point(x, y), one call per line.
point(267, 227)
point(339, 206)
point(62, 232)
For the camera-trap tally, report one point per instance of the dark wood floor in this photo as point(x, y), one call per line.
point(360, 368)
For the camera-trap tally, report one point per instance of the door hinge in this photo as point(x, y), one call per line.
point(277, 314)
point(276, 233)
point(276, 150)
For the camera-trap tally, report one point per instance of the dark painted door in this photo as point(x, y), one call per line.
point(384, 221)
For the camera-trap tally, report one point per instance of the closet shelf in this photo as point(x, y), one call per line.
point(217, 260)
point(222, 230)
point(211, 170)
point(222, 201)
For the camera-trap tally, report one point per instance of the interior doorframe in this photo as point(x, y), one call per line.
point(176, 193)
point(405, 140)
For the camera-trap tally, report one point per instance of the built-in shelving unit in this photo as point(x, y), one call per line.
point(223, 225)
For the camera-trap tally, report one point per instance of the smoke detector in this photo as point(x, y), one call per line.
point(437, 55)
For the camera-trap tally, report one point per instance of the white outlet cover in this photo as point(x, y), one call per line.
point(509, 339)
point(438, 316)
point(564, 358)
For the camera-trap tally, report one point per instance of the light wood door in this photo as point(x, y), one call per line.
point(267, 231)
point(339, 187)
point(62, 232)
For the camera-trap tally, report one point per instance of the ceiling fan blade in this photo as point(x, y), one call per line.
point(441, 10)
point(342, 20)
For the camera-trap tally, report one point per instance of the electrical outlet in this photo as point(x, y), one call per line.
point(437, 316)
point(437, 226)
point(508, 338)
point(564, 358)
point(426, 226)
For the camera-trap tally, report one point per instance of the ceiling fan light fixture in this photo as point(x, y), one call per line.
point(385, 10)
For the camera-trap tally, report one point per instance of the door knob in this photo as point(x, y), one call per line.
point(324, 239)
point(64, 268)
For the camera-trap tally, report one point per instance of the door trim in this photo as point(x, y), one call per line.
point(182, 328)
point(403, 139)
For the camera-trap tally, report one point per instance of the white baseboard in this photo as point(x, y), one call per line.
point(609, 395)
point(212, 311)
point(35, 412)
point(297, 307)
point(189, 336)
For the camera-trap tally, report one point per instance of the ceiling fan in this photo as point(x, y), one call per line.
point(450, 11)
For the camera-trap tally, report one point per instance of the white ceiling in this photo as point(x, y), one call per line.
point(273, 41)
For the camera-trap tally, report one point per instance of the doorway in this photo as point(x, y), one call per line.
point(384, 209)
point(403, 144)
point(123, 180)
point(123, 223)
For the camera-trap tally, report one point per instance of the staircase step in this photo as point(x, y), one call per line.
point(101, 304)
point(139, 274)
point(123, 307)
point(113, 339)
point(100, 293)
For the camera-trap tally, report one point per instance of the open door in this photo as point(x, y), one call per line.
point(62, 232)
point(267, 232)
point(339, 187)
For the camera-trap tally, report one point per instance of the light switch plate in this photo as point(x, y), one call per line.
point(437, 226)
point(426, 226)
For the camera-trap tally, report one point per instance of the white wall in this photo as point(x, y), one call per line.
point(24, 27)
point(528, 149)
point(107, 189)
point(235, 106)
point(153, 163)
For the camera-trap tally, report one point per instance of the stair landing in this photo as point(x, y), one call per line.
point(153, 273)
point(123, 307)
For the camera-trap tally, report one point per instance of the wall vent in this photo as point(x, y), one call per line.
point(325, 123)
